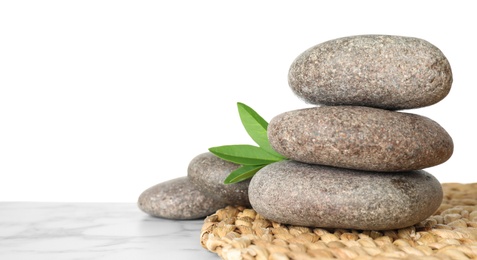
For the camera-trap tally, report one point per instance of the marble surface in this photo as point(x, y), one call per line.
point(30, 230)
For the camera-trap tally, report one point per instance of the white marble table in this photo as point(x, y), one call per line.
point(30, 230)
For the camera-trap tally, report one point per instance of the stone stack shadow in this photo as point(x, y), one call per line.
point(355, 160)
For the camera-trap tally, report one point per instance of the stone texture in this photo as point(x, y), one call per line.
point(360, 138)
point(301, 194)
point(178, 199)
point(208, 172)
point(384, 71)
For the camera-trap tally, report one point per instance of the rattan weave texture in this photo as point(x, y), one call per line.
point(451, 233)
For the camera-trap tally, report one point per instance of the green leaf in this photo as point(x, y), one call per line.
point(244, 154)
point(256, 128)
point(243, 173)
point(251, 158)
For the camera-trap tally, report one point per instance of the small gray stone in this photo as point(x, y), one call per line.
point(208, 173)
point(361, 138)
point(301, 194)
point(385, 71)
point(178, 199)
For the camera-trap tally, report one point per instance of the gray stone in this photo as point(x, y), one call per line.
point(208, 173)
point(178, 199)
point(361, 138)
point(384, 71)
point(301, 194)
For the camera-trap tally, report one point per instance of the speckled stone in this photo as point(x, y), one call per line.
point(384, 71)
point(301, 194)
point(178, 199)
point(361, 138)
point(208, 172)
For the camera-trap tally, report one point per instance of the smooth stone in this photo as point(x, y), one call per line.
point(178, 199)
point(384, 71)
point(295, 193)
point(360, 138)
point(208, 173)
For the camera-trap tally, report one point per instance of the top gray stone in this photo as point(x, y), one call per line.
point(383, 71)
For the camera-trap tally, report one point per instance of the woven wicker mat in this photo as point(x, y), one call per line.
point(451, 233)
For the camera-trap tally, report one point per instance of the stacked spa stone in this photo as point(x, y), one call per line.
point(199, 194)
point(355, 161)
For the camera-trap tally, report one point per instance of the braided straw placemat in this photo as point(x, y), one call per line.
point(451, 233)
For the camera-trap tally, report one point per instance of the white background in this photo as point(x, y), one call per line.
point(100, 100)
